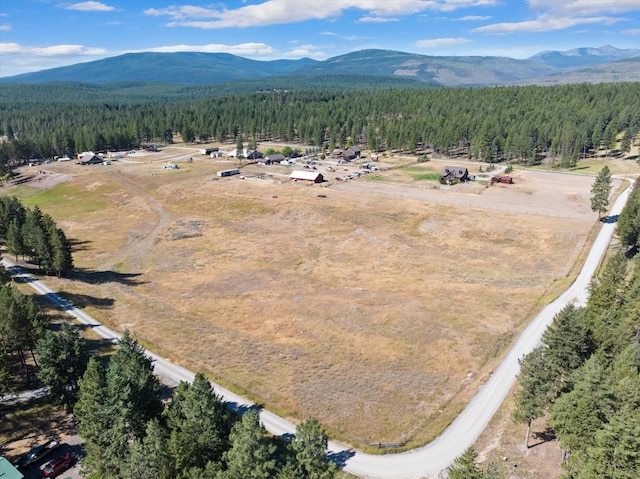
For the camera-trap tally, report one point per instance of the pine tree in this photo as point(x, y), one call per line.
point(94, 418)
point(310, 449)
point(534, 395)
point(628, 228)
point(132, 386)
point(251, 455)
point(199, 424)
point(600, 191)
point(465, 466)
point(149, 456)
point(63, 360)
point(568, 345)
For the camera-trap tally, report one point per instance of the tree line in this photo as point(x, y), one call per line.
point(585, 376)
point(524, 124)
point(28, 232)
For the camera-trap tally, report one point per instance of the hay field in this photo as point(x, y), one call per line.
point(378, 307)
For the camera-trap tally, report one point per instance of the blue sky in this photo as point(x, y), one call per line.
point(41, 34)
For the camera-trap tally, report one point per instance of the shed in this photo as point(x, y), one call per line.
point(308, 176)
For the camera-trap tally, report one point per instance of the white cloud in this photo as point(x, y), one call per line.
point(305, 51)
point(474, 18)
point(273, 12)
point(377, 20)
point(52, 51)
point(554, 15)
point(544, 23)
point(242, 49)
point(329, 33)
point(90, 7)
point(580, 8)
point(440, 42)
point(5, 27)
point(632, 31)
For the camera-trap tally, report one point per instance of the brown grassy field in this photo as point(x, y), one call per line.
point(378, 306)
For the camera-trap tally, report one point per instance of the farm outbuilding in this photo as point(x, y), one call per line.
point(454, 173)
point(208, 151)
point(507, 180)
point(275, 158)
point(308, 176)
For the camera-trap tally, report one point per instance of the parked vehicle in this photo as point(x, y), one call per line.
point(57, 465)
point(36, 453)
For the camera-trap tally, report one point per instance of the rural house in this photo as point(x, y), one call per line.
point(355, 150)
point(454, 173)
point(306, 176)
point(347, 154)
point(90, 158)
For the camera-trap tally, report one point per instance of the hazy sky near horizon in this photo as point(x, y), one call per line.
point(41, 34)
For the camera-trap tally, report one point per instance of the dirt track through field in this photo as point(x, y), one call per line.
point(139, 245)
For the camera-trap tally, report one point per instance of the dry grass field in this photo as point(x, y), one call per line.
point(378, 305)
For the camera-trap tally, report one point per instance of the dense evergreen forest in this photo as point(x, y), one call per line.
point(585, 376)
point(516, 124)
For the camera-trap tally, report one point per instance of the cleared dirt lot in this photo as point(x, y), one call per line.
point(378, 305)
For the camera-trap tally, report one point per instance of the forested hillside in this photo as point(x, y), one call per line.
point(516, 124)
point(585, 377)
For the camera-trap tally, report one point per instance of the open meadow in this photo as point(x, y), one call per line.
point(377, 305)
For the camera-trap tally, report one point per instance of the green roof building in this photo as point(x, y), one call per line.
point(7, 471)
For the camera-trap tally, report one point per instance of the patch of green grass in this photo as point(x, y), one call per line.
point(375, 178)
point(426, 176)
point(68, 200)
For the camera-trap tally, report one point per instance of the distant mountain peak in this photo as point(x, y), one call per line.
point(200, 68)
point(583, 57)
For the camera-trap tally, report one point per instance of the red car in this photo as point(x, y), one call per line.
point(56, 466)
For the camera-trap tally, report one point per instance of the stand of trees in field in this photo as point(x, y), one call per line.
point(585, 376)
point(527, 124)
point(27, 232)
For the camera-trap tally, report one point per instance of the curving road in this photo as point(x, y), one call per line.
point(436, 456)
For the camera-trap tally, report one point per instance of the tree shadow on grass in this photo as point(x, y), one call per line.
point(543, 437)
point(101, 277)
point(74, 300)
point(78, 245)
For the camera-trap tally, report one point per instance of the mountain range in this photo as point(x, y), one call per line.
point(603, 64)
